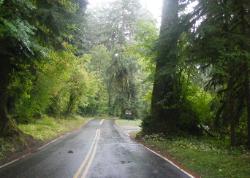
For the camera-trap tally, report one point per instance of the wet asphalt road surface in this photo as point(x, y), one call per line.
point(99, 150)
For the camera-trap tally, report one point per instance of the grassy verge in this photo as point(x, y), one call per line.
point(207, 157)
point(49, 128)
point(38, 132)
point(124, 122)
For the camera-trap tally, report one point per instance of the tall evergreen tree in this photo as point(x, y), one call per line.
point(165, 98)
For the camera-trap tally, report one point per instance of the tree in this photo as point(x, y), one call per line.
point(165, 97)
point(16, 45)
point(220, 42)
point(27, 28)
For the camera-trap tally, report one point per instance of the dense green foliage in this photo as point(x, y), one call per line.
point(202, 71)
point(41, 71)
point(58, 60)
point(120, 47)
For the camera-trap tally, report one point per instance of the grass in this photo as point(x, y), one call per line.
point(41, 130)
point(49, 128)
point(209, 158)
point(125, 122)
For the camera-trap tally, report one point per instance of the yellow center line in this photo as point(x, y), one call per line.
point(85, 172)
point(89, 155)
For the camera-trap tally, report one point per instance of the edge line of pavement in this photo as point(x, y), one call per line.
point(15, 160)
point(52, 141)
point(172, 163)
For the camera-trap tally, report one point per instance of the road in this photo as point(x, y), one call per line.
point(99, 150)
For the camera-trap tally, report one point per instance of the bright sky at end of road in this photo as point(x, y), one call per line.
point(153, 6)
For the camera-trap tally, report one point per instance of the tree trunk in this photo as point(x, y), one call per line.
point(110, 109)
point(247, 88)
point(246, 64)
point(71, 104)
point(230, 110)
point(164, 119)
point(7, 125)
point(233, 133)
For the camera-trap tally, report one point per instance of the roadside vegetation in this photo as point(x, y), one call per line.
point(201, 84)
point(207, 157)
point(48, 128)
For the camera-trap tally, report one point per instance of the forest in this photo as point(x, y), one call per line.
point(190, 77)
point(59, 60)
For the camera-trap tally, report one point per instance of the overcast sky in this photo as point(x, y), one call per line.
point(154, 6)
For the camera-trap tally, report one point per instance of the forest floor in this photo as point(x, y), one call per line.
point(37, 134)
point(207, 157)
